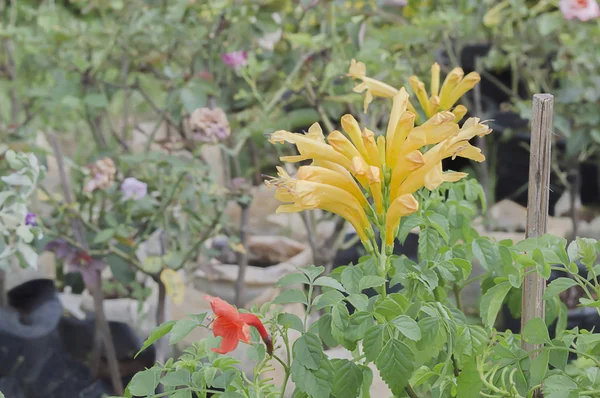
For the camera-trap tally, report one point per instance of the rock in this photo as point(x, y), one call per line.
point(219, 279)
point(589, 230)
point(508, 216)
point(560, 226)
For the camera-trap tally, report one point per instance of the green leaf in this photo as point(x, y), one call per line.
point(231, 394)
point(558, 286)
point(181, 393)
point(358, 325)
point(559, 384)
point(469, 382)
point(470, 340)
point(369, 281)
point(180, 377)
point(308, 351)
point(539, 367)
point(485, 252)
point(156, 334)
point(536, 332)
point(430, 243)
point(367, 380)
point(290, 321)
point(464, 266)
point(181, 329)
point(292, 279)
point(394, 304)
point(559, 358)
point(120, 268)
point(407, 326)
point(327, 299)
point(96, 100)
point(347, 378)
point(440, 224)
point(315, 383)
point(396, 365)
point(329, 282)
point(351, 277)
point(144, 382)
point(407, 224)
point(312, 272)
point(291, 296)
point(359, 301)
point(542, 267)
point(104, 235)
point(549, 22)
point(491, 303)
point(373, 342)
point(324, 325)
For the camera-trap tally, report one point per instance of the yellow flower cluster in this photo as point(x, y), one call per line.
point(371, 180)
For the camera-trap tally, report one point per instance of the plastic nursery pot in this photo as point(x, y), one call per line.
point(269, 259)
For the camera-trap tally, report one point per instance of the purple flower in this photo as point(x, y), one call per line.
point(235, 59)
point(133, 189)
point(88, 267)
point(63, 251)
point(30, 220)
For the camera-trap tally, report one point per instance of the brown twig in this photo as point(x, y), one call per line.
point(102, 334)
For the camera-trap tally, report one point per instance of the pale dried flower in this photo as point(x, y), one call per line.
point(209, 125)
point(102, 174)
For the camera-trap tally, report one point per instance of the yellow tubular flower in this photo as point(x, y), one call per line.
point(313, 195)
point(381, 148)
point(400, 207)
point(308, 148)
point(331, 177)
point(450, 83)
point(360, 168)
point(404, 167)
point(315, 132)
point(419, 88)
point(374, 176)
point(435, 80)
point(461, 88)
point(368, 138)
point(399, 105)
point(340, 143)
point(459, 112)
point(351, 127)
point(436, 177)
point(403, 128)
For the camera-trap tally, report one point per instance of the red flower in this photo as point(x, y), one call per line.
point(233, 326)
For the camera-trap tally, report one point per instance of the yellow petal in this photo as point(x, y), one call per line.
point(419, 89)
point(403, 128)
point(357, 69)
point(461, 88)
point(436, 177)
point(400, 207)
point(434, 104)
point(449, 84)
point(416, 179)
point(459, 112)
point(435, 79)
point(399, 105)
point(381, 148)
point(351, 127)
point(374, 176)
point(404, 167)
point(309, 148)
point(342, 144)
point(334, 178)
point(315, 132)
point(368, 138)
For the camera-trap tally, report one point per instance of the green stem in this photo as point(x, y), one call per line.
point(457, 289)
point(411, 393)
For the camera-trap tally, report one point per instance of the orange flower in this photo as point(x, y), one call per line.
point(233, 326)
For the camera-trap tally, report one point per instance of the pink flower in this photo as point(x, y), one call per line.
point(584, 10)
point(235, 59)
point(133, 189)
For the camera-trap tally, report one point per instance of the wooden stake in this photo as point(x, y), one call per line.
point(537, 207)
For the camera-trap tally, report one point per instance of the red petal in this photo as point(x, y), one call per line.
point(223, 308)
point(252, 320)
point(229, 333)
point(244, 333)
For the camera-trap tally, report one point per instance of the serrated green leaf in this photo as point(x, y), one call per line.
point(539, 367)
point(396, 365)
point(180, 377)
point(440, 224)
point(536, 332)
point(407, 224)
point(290, 321)
point(370, 281)
point(144, 382)
point(325, 334)
point(430, 243)
point(469, 382)
point(491, 302)
point(315, 383)
point(358, 324)
point(393, 305)
point(542, 267)
point(347, 378)
point(292, 279)
point(312, 272)
point(407, 326)
point(351, 277)
point(486, 253)
point(463, 265)
point(181, 329)
point(329, 282)
point(373, 342)
point(291, 296)
point(308, 351)
point(156, 334)
point(367, 380)
point(470, 340)
point(359, 301)
point(558, 286)
point(327, 299)
point(103, 235)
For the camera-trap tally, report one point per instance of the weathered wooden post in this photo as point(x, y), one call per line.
point(537, 207)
